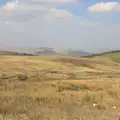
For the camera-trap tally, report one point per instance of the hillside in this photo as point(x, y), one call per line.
point(71, 67)
point(112, 57)
point(46, 51)
point(59, 87)
point(110, 53)
point(15, 53)
point(78, 53)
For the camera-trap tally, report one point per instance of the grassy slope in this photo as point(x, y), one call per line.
point(108, 57)
point(56, 99)
point(81, 67)
point(29, 64)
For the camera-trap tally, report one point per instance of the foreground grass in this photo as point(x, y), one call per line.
point(55, 100)
point(54, 88)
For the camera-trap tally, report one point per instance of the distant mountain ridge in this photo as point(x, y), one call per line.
point(76, 53)
point(15, 53)
point(46, 51)
point(104, 53)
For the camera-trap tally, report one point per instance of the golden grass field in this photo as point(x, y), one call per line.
point(59, 88)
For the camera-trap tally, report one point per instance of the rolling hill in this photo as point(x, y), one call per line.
point(46, 51)
point(15, 53)
point(80, 67)
point(47, 87)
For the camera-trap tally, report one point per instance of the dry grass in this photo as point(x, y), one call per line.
point(54, 98)
point(12, 65)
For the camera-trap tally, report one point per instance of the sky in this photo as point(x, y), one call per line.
point(80, 24)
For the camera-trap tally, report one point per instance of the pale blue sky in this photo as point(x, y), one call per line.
point(84, 24)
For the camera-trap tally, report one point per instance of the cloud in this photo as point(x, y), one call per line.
point(59, 13)
point(15, 5)
point(24, 13)
point(41, 23)
point(55, 14)
point(48, 1)
point(9, 22)
point(10, 5)
point(43, 2)
point(34, 4)
point(104, 7)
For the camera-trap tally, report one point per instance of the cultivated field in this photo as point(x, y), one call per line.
point(60, 88)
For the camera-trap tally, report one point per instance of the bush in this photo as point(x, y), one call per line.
point(21, 77)
point(4, 76)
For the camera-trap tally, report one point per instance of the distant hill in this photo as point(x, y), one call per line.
point(78, 53)
point(46, 51)
point(15, 53)
point(112, 57)
point(115, 52)
point(69, 52)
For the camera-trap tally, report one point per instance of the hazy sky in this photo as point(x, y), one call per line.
point(84, 24)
